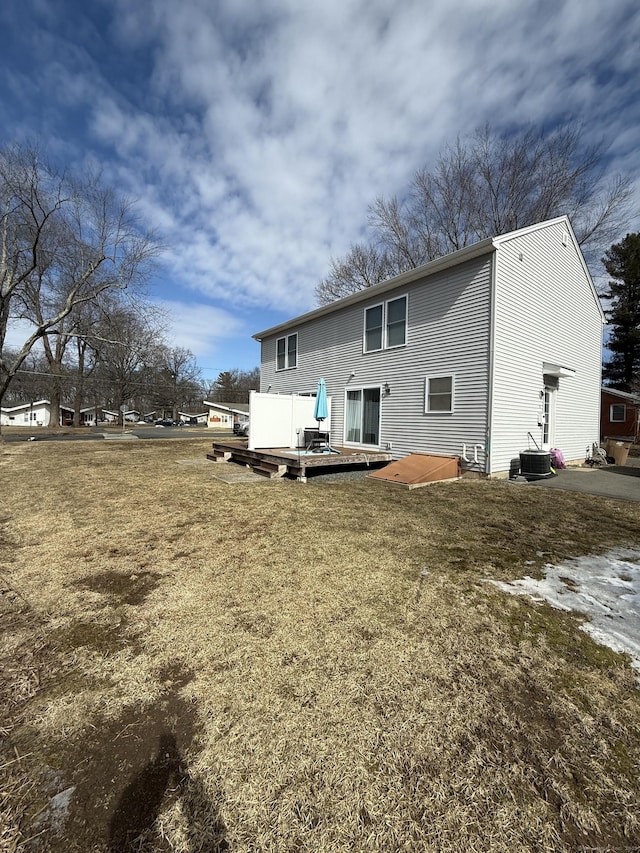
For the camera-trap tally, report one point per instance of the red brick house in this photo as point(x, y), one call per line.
point(619, 415)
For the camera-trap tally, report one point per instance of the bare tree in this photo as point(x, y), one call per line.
point(484, 186)
point(31, 382)
point(62, 244)
point(126, 351)
point(177, 379)
point(361, 267)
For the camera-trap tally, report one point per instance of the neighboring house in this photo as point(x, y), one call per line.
point(39, 414)
point(27, 414)
point(620, 415)
point(224, 415)
point(480, 354)
point(130, 416)
point(87, 416)
point(193, 417)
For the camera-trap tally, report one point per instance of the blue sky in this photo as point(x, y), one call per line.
point(254, 135)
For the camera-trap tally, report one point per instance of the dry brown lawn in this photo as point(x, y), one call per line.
point(189, 665)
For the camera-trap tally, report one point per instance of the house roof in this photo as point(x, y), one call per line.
point(237, 408)
point(17, 408)
point(625, 395)
point(476, 250)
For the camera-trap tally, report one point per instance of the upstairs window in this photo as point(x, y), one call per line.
point(397, 322)
point(617, 413)
point(439, 394)
point(373, 328)
point(287, 352)
point(385, 325)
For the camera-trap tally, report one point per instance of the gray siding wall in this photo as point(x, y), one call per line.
point(448, 333)
point(545, 310)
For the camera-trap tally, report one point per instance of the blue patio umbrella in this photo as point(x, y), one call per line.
point(321, 409)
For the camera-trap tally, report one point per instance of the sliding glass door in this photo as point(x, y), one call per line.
point(362, 419)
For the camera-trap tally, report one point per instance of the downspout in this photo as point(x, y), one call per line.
point(491, 361)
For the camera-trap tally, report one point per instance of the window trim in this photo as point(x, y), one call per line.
point(427, 380)
point(613, 406)
point(384, 336)
point(287, 350)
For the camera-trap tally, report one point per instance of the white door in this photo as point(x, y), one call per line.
point(549, 413)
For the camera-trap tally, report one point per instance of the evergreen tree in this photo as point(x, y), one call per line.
point(622, 262)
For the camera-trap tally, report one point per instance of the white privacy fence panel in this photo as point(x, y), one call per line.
point(279, 420)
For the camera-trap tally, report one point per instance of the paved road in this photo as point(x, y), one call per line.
point(100, 433)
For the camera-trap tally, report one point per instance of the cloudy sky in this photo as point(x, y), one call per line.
point(255, 133)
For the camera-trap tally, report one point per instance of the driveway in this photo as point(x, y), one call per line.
point(621, 482)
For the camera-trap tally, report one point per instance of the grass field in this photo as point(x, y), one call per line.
point(188, 665)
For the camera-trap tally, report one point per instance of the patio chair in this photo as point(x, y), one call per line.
point(316, 440)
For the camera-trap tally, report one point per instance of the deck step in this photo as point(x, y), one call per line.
point(218, 456)
point(270, 470)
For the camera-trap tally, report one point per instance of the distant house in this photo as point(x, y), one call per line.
point(38, 414)
point(224, 415)
point(35, 414)
point(87, 416)
point(620, 415)
point(130, 416)
point(480, 354)
point(194, 417)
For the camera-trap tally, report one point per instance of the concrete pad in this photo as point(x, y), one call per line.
point(621, 482)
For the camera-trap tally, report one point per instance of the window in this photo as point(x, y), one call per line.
point(373, 328)
point(287, 352)
point(385, 325)
point(439, 394)
point(397, 322)
point(362, 416)
point(617, 413)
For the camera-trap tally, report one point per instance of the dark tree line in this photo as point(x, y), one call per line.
point(622, 263)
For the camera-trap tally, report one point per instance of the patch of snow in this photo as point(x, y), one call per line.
point(605, 588)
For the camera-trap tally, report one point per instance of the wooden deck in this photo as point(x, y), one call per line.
point(280, 461)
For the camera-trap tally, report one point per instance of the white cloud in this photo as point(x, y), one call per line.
point(205, 330)
point(259, 134)
point(18, 332)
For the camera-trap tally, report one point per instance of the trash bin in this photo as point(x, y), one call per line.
point(619, 450)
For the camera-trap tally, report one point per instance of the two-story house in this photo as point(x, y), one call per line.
point(480, 354)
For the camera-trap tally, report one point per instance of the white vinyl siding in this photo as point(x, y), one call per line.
point(545, 312)
point(447, 333)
